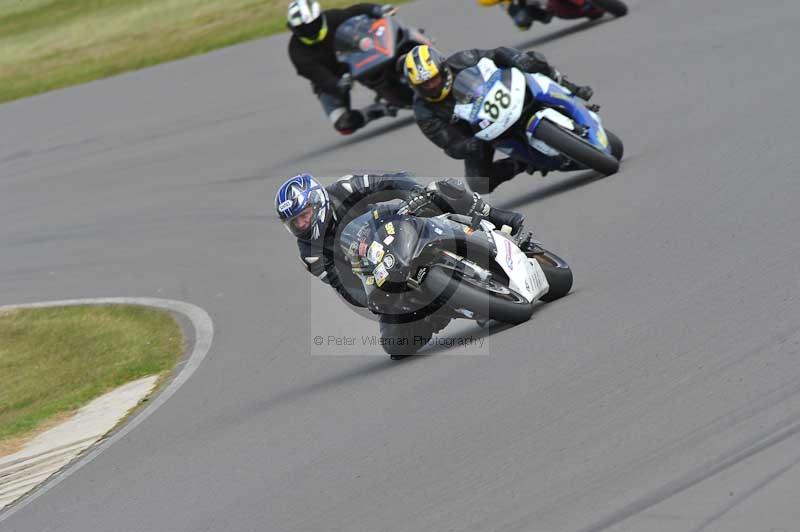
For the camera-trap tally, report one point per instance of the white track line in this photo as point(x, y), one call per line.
point(203, 335)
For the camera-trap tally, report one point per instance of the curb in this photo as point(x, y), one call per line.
point(202, 336)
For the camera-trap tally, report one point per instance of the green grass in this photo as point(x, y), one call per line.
point(48, 44)
point(53, 361)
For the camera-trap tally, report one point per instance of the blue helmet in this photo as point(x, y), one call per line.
point(303, 207)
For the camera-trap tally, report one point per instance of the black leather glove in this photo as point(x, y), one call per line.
point(531, 62)
point(581, 91)
point(419, 201)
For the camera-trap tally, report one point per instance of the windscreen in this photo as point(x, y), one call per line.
point(469, 85)
point(350, 34)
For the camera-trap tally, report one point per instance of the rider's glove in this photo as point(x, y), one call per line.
point(479, 207)
point(532, 62)
point(581, 91)
point(345, 83)
point(419, 201)
point(555, 75)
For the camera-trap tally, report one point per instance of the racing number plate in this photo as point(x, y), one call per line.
point(497, 104)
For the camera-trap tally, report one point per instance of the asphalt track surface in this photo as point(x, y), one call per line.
point(663, 394)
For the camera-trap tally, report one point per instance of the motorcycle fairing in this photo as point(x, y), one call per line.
point(525, 275)
point(506, 84)
point(365, 44)
point(550, 93)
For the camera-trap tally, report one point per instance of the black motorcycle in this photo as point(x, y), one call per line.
point(448, 266)
point(370, 47)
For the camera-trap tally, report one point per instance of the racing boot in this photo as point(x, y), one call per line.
point(378, 110)
point(505, 170)
point(499, 217)
point(522, 19)
point(537, 12)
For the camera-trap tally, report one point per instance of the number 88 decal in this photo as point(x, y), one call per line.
point(502, 99)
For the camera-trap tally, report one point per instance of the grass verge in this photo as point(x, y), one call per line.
point(49, 44)
point(55, 360)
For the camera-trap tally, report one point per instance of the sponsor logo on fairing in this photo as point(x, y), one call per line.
point(381, 274)
point(375, 253)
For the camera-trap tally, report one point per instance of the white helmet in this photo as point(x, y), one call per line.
point(306, 20)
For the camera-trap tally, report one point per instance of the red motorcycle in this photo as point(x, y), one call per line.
point(525, 12)
point(591, 9)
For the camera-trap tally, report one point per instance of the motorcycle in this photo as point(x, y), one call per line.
point(592, 9)
point(419, 271)
point(535, 120)
point(370, 48)
point(566, 9)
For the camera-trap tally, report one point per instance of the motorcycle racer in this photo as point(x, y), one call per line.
point(311, 50)
point(432, 76)
point(316, 215)
point(523, 12)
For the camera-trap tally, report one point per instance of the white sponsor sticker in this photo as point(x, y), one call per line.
point(381, 274)
point(375, 253)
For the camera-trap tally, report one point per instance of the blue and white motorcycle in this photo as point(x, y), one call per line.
point(535, 120)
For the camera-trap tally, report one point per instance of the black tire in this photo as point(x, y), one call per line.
point(615, 7)
point(558, 273)
point(576, 148)
point(497, 302)
point(617, 148)
point(403, 338)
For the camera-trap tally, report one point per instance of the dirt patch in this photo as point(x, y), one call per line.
point(16, 444)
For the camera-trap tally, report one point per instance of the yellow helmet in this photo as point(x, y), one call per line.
point(426, 71)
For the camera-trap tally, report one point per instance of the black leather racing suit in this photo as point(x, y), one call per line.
point(350, 197)
point(353, 195)
point(435, 119)
point(317, 63)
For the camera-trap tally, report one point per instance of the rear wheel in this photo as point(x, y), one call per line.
point(576, 148)
point(488, 298)
point(615, 7)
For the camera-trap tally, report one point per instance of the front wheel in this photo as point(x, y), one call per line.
point(557, 272)
point(487, 299)
point(615, 143)
point(576, 148)
point(615, 7)
point(401, 338)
